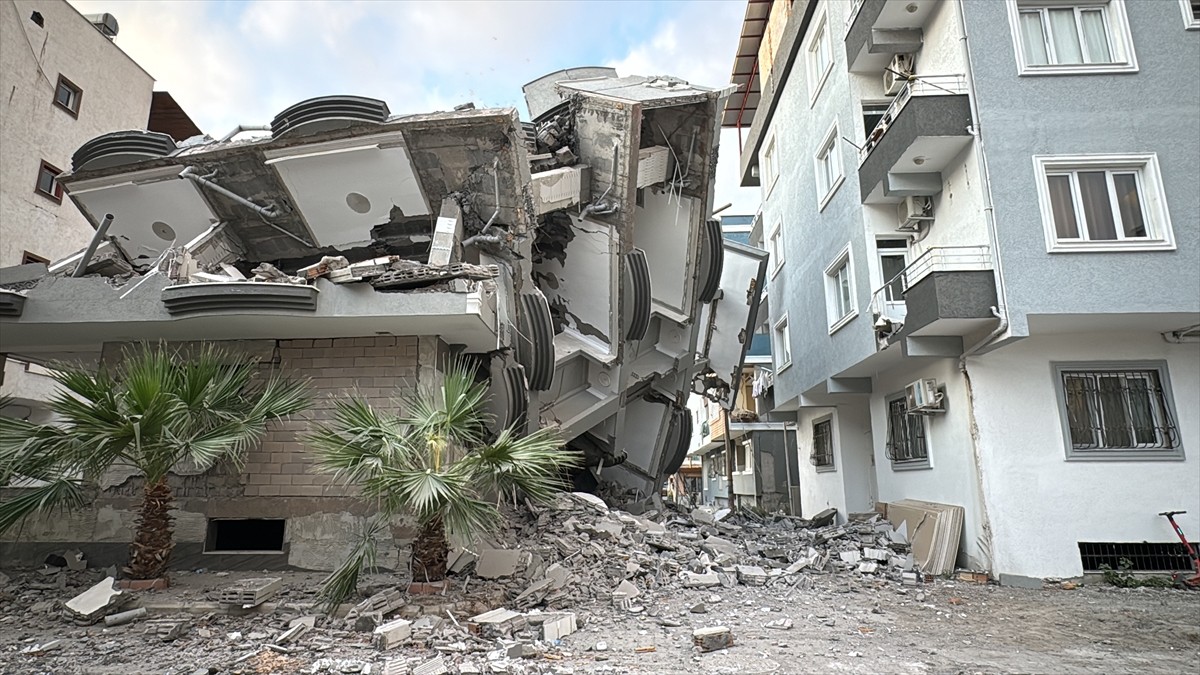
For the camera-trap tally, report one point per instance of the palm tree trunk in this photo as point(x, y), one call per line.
point(430, 551)
point(150, 552)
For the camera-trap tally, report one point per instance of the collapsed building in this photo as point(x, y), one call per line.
point(575, 257)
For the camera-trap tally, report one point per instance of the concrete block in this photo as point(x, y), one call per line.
point(751, 575)
point(497, 623)
point(392, 633)
point(250, 592)
point(706, 580)
point(713, 638)
point(558, 626)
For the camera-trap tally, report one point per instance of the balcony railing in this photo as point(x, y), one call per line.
point(854, 9)
point(922, 85)
point(936, 259)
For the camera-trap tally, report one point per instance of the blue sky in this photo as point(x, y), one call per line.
point(240, 62)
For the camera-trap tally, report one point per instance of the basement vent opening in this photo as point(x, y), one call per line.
point(244, 535)
point(1142, 556)
point(36, 17)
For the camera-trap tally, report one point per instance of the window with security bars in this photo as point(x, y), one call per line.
point(905, 435)
point(1122, 410)
point(822, 452)
point(1142, 556)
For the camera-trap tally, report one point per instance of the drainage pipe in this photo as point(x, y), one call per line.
point(101, 231)
point(264, 211)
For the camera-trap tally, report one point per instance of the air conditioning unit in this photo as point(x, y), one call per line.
point(923, 396)
point(912, 211)
point(652, 165)
point(901, 68)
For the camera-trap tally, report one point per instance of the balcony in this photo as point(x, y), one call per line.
point(921, 133)
point(947, 291)
point(876, 30)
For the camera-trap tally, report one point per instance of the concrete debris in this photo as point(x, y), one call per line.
point(712, 639)
point(779, 624)
point(705, 580)
point(558, 626)
point(250, 592)
point(123, 618)
point(380, 603)
point(75, 560)
point(296, 629)
point(494, 563)
point(42, 648)
point(89, 606)
point(434, 666)
point(167, 629)
point(392, 633)
point(497, 623)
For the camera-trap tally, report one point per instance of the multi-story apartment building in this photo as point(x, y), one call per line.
point(64, 81)
point(985, 264)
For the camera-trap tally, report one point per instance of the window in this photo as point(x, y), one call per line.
point(718, 468)
point(839, 291)
point(775, 248)
point(67, 96)
point(906, 445)
point(893, 258)
point(1191, 13)
point(1103, 202)
point(36, 17)
point(829, 167)
point(743, 458)
point(28, 258)
point(822, 452)
point(872, 114)
point(47, 182)
point(819, 55)
point(1117, 411)
point(768, 166)
point(782, 347)
point(1061, 37)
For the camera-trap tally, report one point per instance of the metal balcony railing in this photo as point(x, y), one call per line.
point(935, 259)
point(921, 85)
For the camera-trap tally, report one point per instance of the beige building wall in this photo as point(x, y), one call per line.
point(116, 95)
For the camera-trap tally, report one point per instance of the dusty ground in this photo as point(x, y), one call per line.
point(842, 624)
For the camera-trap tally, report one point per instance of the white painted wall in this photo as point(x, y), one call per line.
point(820, 490)
point(951, 478)
point(1041, 505)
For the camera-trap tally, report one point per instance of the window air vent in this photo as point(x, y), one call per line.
point(535, 344)
point(637, 275)
point(121, 147)
point(328, 112)
point(11, 303)
point(713, 260)
point(238, 297)
point(679, 438)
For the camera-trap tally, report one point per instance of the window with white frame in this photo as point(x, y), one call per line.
point(1191, 13)
point(822, 441)
point(1071, 36)
point(839, 290)
point(1103, 203)
point(782, 344)
point(1117, 410)
point(829, 171)
point(743, 456)
point(819, 54)
point(768, 166)
point(775, 247)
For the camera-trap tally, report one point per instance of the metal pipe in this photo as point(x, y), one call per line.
point(243, 127)
point(93, 245)
point(728, 459)
point(264, 211)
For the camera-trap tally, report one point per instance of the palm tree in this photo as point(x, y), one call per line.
point(156, 409)
point(436, 464)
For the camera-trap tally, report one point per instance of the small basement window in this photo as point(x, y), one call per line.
point(244, 535)
point(1142, 556)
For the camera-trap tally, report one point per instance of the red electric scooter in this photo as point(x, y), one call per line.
point(1193, 581)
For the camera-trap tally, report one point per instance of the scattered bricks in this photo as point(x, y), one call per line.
point(558, 626)
point(392, 633)
point(250, 592)
point(495, 563)
point(868, 567)
point(95, 602)
point(395, 667)
point(850, 557)
point(751, 575)
point(167, 629)
point(712, 639)
point(124, 617)
point(876, 554)
point(434, 666)
point(497, 623)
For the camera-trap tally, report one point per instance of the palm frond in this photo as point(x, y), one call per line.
point(532, 464)
point(454, 411)
point(60, 493)
point(357, 443)
point(342, 583)
point(280, 398)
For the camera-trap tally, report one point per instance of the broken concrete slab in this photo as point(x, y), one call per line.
point(627, 590)
point(495, 563)
point(824, 518)
point(92, 604)
point(500, 622)
point(75, 560)
point(434, 666)
point(713, 638)
point(694, 580)
point(167, 629)
point(250, 592)
point(459, 558)
point(295, 630)
point(591, 500)
point(392, 633)
point(751, 575)
point(558, 626)
point(558, 576)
